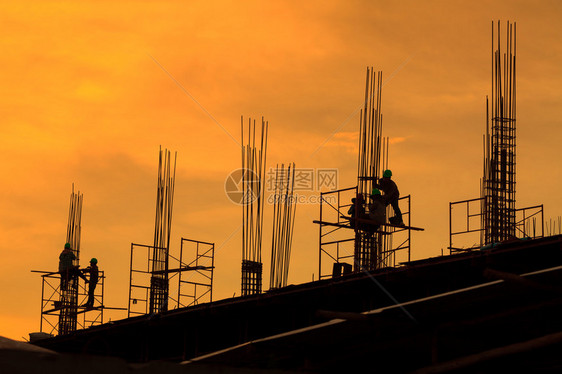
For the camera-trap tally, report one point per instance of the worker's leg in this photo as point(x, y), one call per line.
point(397, 212)
point(64, 277)
point(91, 290)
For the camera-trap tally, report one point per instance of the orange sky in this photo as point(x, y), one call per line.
point(85, 100)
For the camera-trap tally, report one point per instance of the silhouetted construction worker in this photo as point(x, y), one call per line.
point(68, 271)
point(92, 282)
point(377, 209)
point(357, 209)
point(391, 195)
point(66, 266)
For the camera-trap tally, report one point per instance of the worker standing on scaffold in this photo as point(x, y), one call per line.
point(68, 271)
point(92, 282)
point(391, 196)
point(66, 266)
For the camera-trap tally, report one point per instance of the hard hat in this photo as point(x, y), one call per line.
point(67, 245)
point(94, 260)
point(375, 192)
point(387, 174)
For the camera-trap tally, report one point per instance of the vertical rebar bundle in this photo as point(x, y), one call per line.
point(284, 209)
point(370, 134)
point(69, 293)
point(498, 183)
point(162, 229)
point(368, 246)
point(253, 168)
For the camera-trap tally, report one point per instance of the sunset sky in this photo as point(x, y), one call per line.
point(90, 90)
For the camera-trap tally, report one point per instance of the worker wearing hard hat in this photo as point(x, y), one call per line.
point(356, 210)
point(377, 208)
point(391, 195)
point(67, 269)
point(92, 282)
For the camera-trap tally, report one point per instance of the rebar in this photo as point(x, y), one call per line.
point(284, 209)
point(373, 157)
point(159, 286)
point(498, 182)
point(253, 174)
point(68, 298)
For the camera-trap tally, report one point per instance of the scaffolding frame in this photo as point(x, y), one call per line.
point(528, 223)
point(53, 305)
point(334, 239)
point(203, 273)
point(337, 242)
point(140, 289)
point(133, 286)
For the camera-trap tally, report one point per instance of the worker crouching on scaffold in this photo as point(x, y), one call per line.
point(377, 209)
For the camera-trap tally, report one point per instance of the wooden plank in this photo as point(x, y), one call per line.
point(368, 221)
point(185, 268)
point(347, 226)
